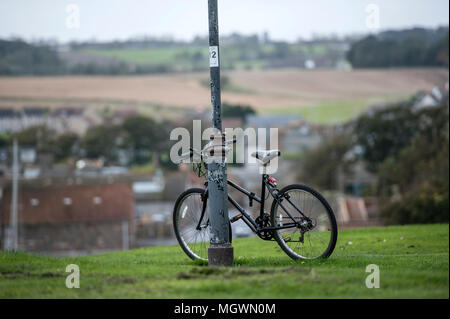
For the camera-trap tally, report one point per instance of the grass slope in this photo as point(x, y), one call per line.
point(413, 261)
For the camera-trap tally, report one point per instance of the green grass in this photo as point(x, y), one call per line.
point(333, 112)
point(413, 262)
point(336, 112)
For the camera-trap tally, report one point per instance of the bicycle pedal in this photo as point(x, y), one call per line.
point(236, 218)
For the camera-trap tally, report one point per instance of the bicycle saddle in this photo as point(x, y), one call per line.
point(266, 156)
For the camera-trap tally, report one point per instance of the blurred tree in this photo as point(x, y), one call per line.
point(425, 159)
point(427, 204)
point(407, 148)
point(145, 136)
point(418, 168)
point(102, 141)
point(239, 111)
point(438, 53)
point(65, 146)
point(385, 132)
point(321, 166)
point(5, 140)
point(282, 50)
point(39, 137)
point(407, 48)
point(20, 58)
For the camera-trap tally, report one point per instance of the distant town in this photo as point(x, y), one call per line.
point(363, 119)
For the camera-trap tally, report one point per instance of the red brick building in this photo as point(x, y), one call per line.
point(69, 220)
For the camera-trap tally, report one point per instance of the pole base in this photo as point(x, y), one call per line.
point(220, 255)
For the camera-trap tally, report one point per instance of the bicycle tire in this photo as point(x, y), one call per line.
point(332, 222)
point(176, 224)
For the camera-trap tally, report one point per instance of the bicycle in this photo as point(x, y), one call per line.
point(299, 215)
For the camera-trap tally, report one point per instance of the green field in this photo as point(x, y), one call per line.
point(231, 54)
point(336, 112)
point(155, 56)
point(179, 58)
point(413, 263)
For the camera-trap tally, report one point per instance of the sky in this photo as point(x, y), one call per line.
point(105, 20)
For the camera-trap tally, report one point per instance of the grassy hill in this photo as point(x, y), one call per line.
point(413, 262)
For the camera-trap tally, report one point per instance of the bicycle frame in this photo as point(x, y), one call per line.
point(246, 218)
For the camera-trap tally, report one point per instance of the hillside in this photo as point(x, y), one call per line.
point(413, 262)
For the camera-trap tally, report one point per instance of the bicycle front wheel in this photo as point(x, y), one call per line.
point(315, 232)
point(191, 223)
point(191, 228)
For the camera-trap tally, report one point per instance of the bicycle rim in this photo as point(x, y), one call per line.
point(315, 243)
point(195, 242)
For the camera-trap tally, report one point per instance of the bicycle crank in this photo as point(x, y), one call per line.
point(264, 222)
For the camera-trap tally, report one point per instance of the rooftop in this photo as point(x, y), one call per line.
point(75, 203)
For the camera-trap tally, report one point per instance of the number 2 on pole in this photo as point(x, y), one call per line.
point(213, 56)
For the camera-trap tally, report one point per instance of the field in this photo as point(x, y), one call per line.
point(413, 263)
point(191, 57)
point(323, 96)
point(154, 57)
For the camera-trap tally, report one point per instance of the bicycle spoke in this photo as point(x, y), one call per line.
point(316, 235)
point(195, 240)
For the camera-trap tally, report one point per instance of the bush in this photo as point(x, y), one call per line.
point(320, 166)
point(426, 206)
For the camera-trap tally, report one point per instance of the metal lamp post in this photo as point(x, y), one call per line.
point(220, 252)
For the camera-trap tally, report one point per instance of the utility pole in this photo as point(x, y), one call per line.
point(220, 252)
point(13, 238)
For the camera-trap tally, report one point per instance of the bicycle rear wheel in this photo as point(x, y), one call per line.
point(316, 234)
point(191, 223)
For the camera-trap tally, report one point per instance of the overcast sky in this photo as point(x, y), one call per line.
point(183, 19)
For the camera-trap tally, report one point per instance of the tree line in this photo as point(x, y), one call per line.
point(408, 48)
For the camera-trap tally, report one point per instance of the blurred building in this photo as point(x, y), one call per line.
point(300, 136)
point(354, 211)
point(71, 220)
point(62, 119)
point(154, 199)
point(69, 119)
point(10, 120)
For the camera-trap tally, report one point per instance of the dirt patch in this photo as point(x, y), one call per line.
point(25, 274)
point(120, 280)
point(205, 272)
point(15, 274)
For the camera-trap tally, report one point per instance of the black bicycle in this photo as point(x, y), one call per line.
point(300, 219)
